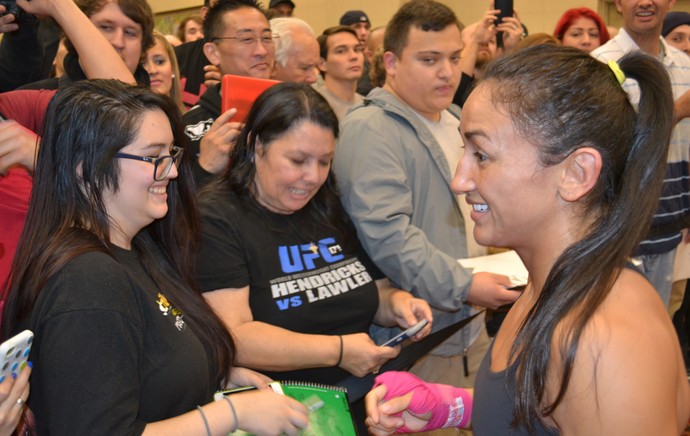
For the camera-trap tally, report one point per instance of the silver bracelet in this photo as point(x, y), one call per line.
point(203, 416)
point(234, 414)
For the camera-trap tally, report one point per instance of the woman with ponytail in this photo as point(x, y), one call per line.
point(559, 166)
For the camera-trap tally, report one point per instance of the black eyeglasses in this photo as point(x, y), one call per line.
point(161, 165)
point(250, 39)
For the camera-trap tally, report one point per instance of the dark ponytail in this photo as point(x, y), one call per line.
point(563, 99)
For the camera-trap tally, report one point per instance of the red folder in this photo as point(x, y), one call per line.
point(240, 92)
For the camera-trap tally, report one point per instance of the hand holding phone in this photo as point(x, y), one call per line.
point(406, 334)
point(14, 353)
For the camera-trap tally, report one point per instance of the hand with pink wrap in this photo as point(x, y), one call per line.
point(449, 406)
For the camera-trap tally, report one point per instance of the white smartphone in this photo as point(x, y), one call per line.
point(14, 353)
point(405, 334)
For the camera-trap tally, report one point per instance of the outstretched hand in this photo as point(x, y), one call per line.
point(491, 290)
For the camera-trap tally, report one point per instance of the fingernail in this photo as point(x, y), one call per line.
point(14, 375)
point(30, 364)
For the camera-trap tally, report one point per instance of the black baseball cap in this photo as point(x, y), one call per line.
point(353, 17)
point(275, 3)
point(673, 20)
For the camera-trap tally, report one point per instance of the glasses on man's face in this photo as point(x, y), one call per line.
point(161, 165)
point(249, 39)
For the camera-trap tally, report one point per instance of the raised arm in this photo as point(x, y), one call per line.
point(98, 57)
point(473, 36)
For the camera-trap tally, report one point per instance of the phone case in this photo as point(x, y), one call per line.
point(240, 92)
point(14, 353)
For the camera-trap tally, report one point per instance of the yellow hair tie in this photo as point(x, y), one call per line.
point(617, 71)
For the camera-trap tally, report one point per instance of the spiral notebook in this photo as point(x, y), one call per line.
point(329, 410)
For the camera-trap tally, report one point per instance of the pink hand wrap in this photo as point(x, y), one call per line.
point(450, 407)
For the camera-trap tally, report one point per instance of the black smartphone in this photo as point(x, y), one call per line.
point(506, 7)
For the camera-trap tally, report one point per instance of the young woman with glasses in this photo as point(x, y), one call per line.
point(124, 343)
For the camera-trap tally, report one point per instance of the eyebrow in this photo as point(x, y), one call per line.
point(347, 46)
point(436, 53)
point(474, 133)
point(156, 146)
point(264, 30)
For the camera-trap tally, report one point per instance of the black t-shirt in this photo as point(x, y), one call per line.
point(302, 276)
point(191, 61)
point(110, 353)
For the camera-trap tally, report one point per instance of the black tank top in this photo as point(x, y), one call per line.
point(494, 394)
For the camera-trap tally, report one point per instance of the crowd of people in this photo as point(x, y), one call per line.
point(161, 250)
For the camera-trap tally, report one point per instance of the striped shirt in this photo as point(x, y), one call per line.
point(674, 202)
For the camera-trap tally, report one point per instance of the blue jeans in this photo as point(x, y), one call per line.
point(658, 269)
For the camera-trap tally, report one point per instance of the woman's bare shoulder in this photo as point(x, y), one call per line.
point(629, 376)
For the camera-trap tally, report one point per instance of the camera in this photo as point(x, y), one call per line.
point(20, 17)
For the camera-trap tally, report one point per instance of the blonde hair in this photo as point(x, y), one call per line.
point(176, 89)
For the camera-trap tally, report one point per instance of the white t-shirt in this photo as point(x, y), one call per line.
point(446, 133)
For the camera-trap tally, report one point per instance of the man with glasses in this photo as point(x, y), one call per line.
point(341, 65)
point(239, 41)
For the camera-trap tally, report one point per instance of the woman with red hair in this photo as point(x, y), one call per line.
point(581, 28)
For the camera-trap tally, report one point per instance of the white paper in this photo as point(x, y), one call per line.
point(507, 263)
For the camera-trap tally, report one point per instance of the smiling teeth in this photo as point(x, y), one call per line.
point(158, 189)
point(480, 207)
point(298, 191)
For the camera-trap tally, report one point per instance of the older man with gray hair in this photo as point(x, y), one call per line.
point(297, 51)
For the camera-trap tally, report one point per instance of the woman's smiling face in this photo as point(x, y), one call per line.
point(292, 168)
point(512, 194)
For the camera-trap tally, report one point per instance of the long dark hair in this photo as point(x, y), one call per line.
point(277, 110)
point(87, 123)
point(563, 99)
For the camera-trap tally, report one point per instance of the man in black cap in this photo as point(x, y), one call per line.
point(676, 30)
point(281, 8)
point(359, 22)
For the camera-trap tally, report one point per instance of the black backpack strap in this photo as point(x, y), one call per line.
point(357, 387)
